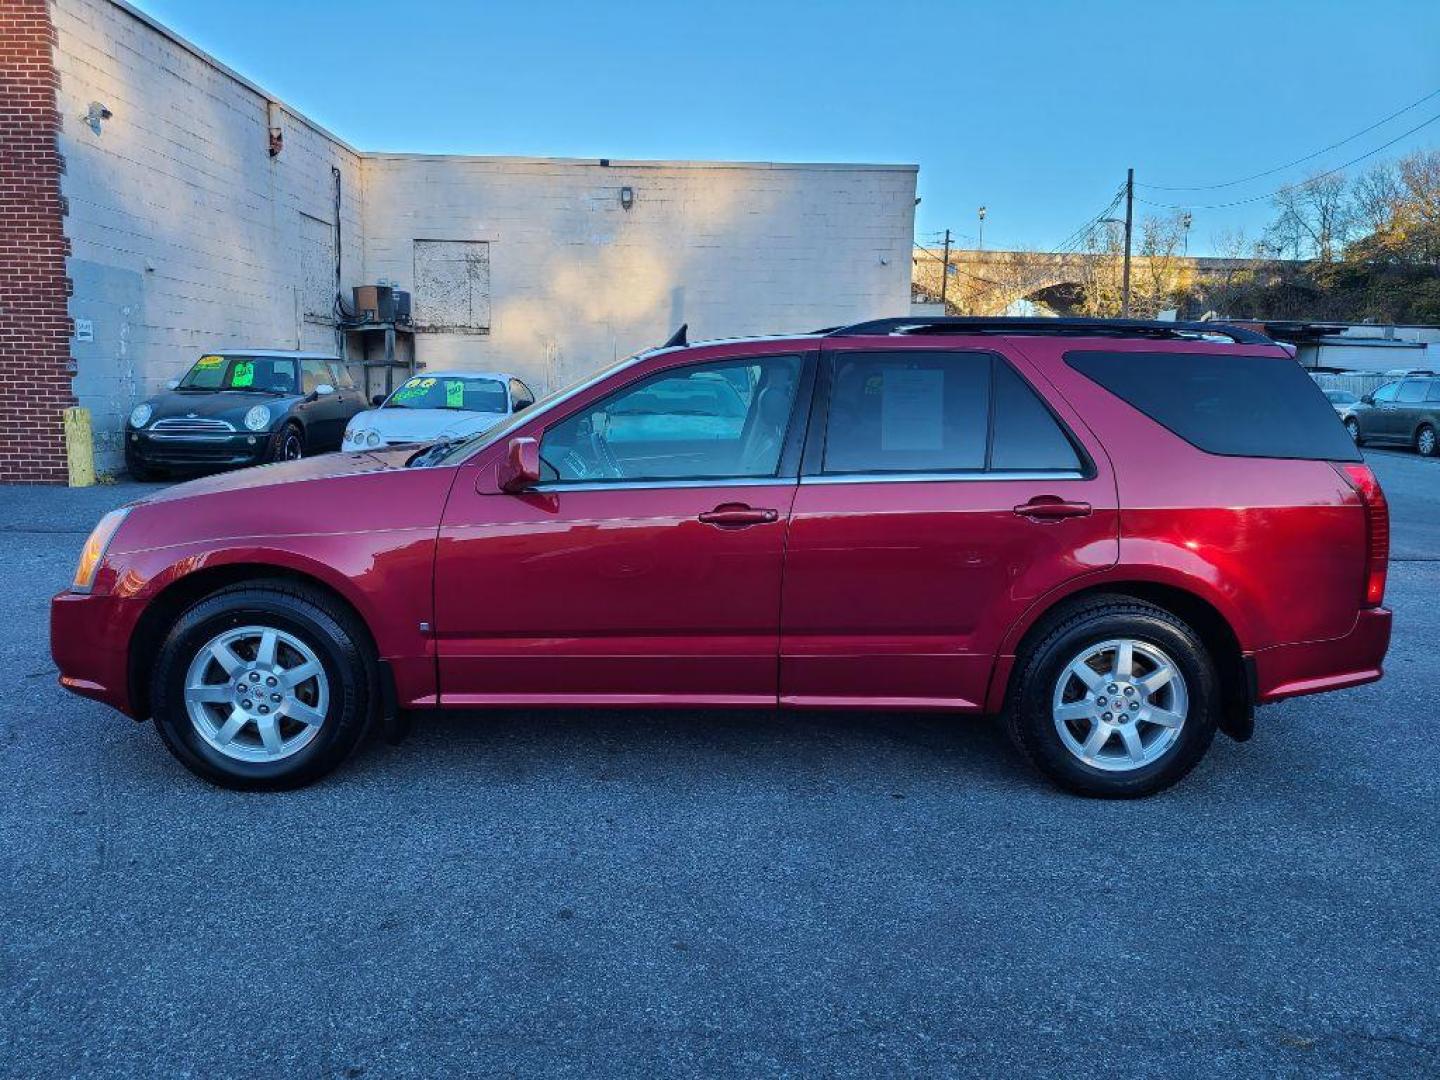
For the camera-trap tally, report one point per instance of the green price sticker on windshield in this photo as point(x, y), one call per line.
point(454, 394)
point(243, 374)
point(413, 389)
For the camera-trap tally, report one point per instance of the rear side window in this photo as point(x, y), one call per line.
point(931, 411)
point(1027, 437)
point(1434, 394)
point(1411, 391)
point(1241, 406)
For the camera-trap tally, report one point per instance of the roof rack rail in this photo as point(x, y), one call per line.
point(967, 324)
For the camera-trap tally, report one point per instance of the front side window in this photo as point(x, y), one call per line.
point(1411, 391)
point(1386, 393)
point(340, 376)
point(450, 392)
point(923, 411)
point(313, 375)
point(269, 373)
point(707, 421)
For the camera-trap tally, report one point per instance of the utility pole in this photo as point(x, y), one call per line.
point(1129, 226)
point(945, 272)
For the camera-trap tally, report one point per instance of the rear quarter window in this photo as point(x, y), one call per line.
point(1238, 406)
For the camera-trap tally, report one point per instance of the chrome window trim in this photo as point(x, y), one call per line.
point(941, 477)
point(652, 485)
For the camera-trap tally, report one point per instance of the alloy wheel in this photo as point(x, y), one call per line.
point(293, 450)
point(1120, 705)
point(1353, 428)
point(1426, 442)
point(257, 694)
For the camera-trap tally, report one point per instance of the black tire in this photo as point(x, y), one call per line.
point(289, 444)
point(1353, 427)
point(1064, 637)
point(329, 629)
point(1425, 447)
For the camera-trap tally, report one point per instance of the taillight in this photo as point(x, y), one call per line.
point(1377, 530)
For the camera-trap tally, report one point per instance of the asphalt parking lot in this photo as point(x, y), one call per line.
point(663, 894)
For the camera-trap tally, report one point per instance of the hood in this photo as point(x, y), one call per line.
point(213, 403)
point(279, 474)
point(423, 425)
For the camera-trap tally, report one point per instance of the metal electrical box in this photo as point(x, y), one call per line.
point(382, 304)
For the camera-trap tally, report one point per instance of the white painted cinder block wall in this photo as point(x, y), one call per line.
point(577, 280)
point(187, 236)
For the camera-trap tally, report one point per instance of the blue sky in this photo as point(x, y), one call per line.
point(1032, 109)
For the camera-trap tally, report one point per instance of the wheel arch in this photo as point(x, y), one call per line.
point(1214, 628)
point(187, 589)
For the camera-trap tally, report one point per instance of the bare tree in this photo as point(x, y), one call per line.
point(1374, 198)
point(1315, 219)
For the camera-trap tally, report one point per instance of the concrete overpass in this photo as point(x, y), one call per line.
point(1066, 283)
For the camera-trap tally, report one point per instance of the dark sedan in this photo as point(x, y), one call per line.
point(243, 408)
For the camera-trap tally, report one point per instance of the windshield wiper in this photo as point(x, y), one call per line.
point(421, 458)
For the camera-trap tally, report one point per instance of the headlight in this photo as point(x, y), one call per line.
point(258, 418)
point(140, 415)
point(94, 551)
point(372, 438)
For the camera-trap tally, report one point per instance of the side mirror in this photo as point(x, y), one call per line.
point(1367, 399)
point(377, 400)
point(521, 467)
point(172, 384)
point(324, 389)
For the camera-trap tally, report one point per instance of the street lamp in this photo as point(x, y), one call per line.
point(982, 228)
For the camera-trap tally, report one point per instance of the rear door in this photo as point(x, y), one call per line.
point(940, 496)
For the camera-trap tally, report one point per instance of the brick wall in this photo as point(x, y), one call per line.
point(34, 324)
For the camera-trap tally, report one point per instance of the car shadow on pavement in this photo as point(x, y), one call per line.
point(667, 744)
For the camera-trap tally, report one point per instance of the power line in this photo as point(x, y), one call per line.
point(1317, 176)
point(1297, 161)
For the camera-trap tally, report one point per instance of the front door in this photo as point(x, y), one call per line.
point(646, 565)
point(941, 497)
point(324, 421)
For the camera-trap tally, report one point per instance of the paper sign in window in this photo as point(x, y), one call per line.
point(454, 394)
point(243, 374)
point(912, 404)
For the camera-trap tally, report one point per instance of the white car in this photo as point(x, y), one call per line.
point(438, 405)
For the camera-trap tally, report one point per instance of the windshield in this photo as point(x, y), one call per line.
point(451, 392)
point(457, 450)
point(275, 374)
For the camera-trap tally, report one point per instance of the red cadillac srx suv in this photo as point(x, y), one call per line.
point(1119, 536)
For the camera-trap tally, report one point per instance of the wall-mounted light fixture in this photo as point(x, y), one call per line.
point(627, 197)
point(277, 141)
point(97, 113)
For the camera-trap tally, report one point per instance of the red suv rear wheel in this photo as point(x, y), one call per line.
point(1116, 698)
